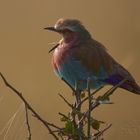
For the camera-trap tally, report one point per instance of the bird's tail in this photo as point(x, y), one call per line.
point(136, 90)
point(132, 87)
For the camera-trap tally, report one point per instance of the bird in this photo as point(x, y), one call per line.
point(78, 57)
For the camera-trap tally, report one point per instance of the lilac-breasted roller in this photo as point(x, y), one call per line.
point(78, 57)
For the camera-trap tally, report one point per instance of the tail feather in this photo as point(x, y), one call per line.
point(129, 85)
point(132, 87)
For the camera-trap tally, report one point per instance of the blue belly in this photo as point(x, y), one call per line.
point(73, 71)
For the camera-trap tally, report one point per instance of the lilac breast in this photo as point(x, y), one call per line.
point(66, 66)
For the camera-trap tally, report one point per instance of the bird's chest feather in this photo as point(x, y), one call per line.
point(63, 62)
point(61, 53)
point(72, 70)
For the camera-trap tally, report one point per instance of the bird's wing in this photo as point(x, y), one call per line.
point(118, 74)
point(93, 56)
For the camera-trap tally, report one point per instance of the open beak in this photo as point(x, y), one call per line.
point(51, 29)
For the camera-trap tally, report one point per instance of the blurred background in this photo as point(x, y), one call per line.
point(25, 62)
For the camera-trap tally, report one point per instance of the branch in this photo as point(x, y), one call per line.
point(78, 108)
point(45, 123)
point(27, 122)
point(65, 100)
point(101, 132)
point(92, 94)
point(63, 115)
point(89, 108)
point(106, 94)
point(68, 84)
point(110, 91)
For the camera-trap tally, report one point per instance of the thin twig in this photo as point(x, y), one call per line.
point(78, 108)
point(51, 124)
point(68, 84)
point(65, 100)
point(8, 125)
point(27, 122)
point(46, 124)
point(89, 108)
point(101, 132)
point(63, 115)
point(107, 94)
point(92, 94)
point(110, 91)
point(53, 48)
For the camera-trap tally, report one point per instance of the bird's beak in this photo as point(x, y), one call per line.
point(51, 29)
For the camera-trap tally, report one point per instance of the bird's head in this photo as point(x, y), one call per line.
point(70, 28)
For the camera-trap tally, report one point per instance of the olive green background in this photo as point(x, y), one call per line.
point(25, 62)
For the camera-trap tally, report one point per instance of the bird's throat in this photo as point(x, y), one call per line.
point(70, 37)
